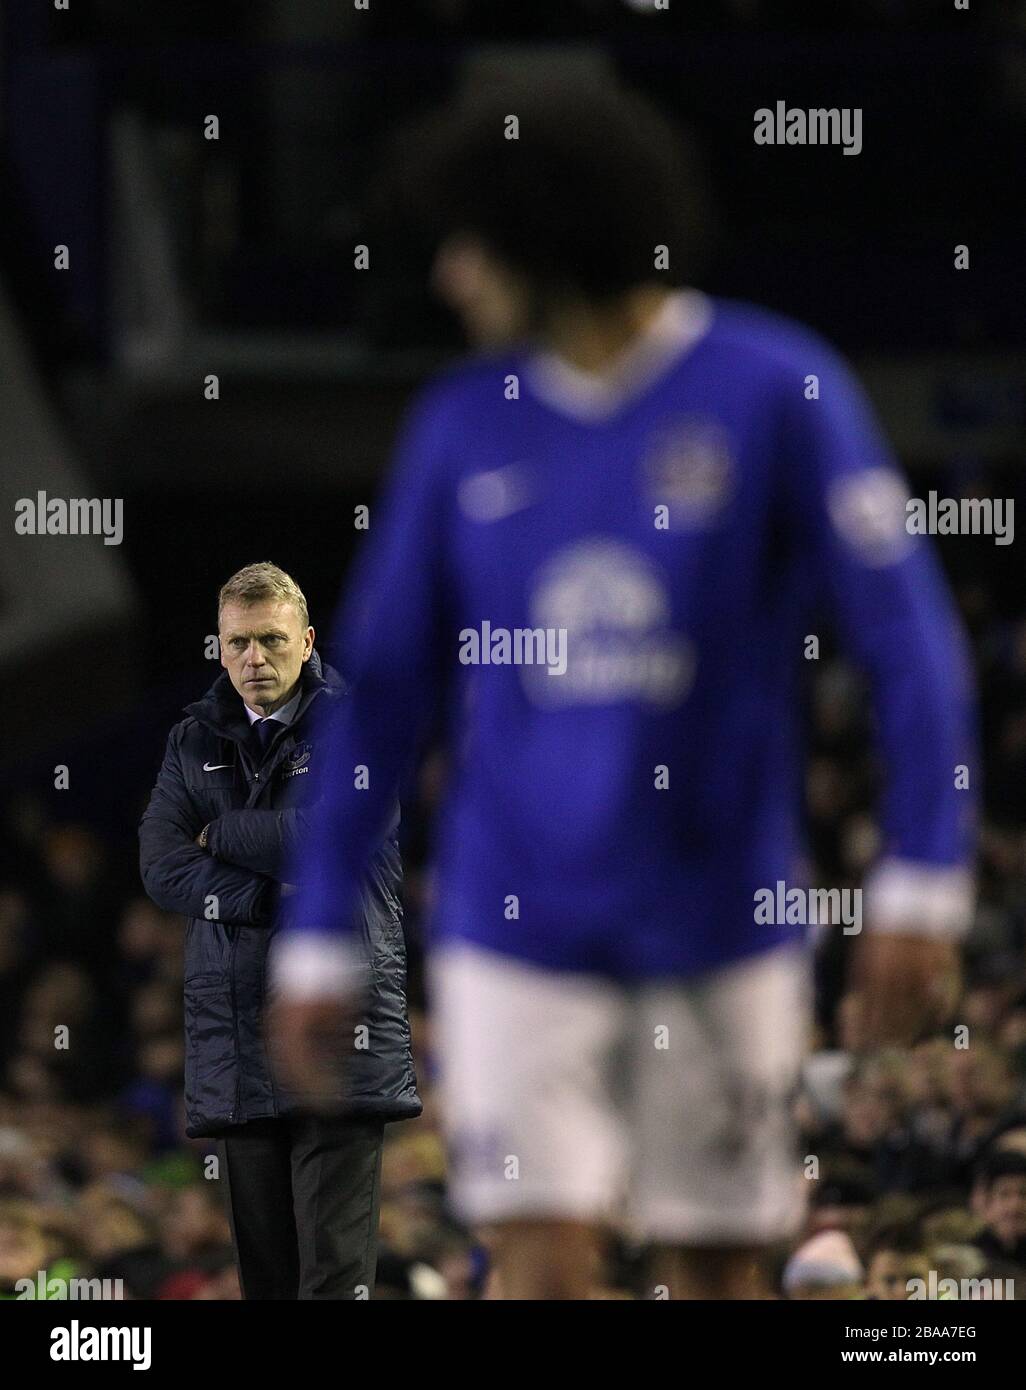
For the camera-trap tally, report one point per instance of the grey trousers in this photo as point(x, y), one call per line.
point(303, 1196)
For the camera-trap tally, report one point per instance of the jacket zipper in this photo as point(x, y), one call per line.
point(235, 1026)
point(250, 800)
point(234, 937)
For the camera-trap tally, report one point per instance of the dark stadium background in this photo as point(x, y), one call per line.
point(234, 257)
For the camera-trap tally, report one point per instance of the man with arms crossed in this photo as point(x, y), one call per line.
point(240, 786)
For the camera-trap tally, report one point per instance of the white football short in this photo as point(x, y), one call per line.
point(665, 1106)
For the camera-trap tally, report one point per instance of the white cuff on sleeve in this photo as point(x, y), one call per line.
point(904, 895)
point(312, 965)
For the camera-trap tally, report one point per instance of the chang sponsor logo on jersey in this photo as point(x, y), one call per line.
point(615, 608)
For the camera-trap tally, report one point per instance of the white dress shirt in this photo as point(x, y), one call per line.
point(285, 715)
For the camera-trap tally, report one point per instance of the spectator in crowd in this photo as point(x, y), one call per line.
point(896, 1256)
point(1002, 1180)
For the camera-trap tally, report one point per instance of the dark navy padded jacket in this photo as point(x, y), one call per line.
point(258, 814)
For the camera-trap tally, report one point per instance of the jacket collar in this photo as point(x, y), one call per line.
point(221, 708)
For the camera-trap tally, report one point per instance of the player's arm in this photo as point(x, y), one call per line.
point(391, 636)
point(898, 623)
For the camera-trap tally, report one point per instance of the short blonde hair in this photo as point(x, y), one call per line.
point(261, 581)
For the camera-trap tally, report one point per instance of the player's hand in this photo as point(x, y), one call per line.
point(310, 1040)
point(905, 986)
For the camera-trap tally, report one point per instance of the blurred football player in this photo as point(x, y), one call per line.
point(600, 559)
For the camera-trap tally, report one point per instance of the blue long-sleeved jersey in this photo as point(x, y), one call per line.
point(610, 600)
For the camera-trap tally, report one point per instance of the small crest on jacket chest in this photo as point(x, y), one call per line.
point(297, 761)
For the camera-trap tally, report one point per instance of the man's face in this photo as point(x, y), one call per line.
point(884, 1276)
point(488, 297)
point(869, 1111)
point(263, 648)
point(1006, 1208)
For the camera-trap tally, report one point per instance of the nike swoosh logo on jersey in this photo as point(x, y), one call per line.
point(213, 767)
point(492, 495)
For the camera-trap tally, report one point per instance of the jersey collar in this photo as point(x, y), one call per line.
point(683, 319)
